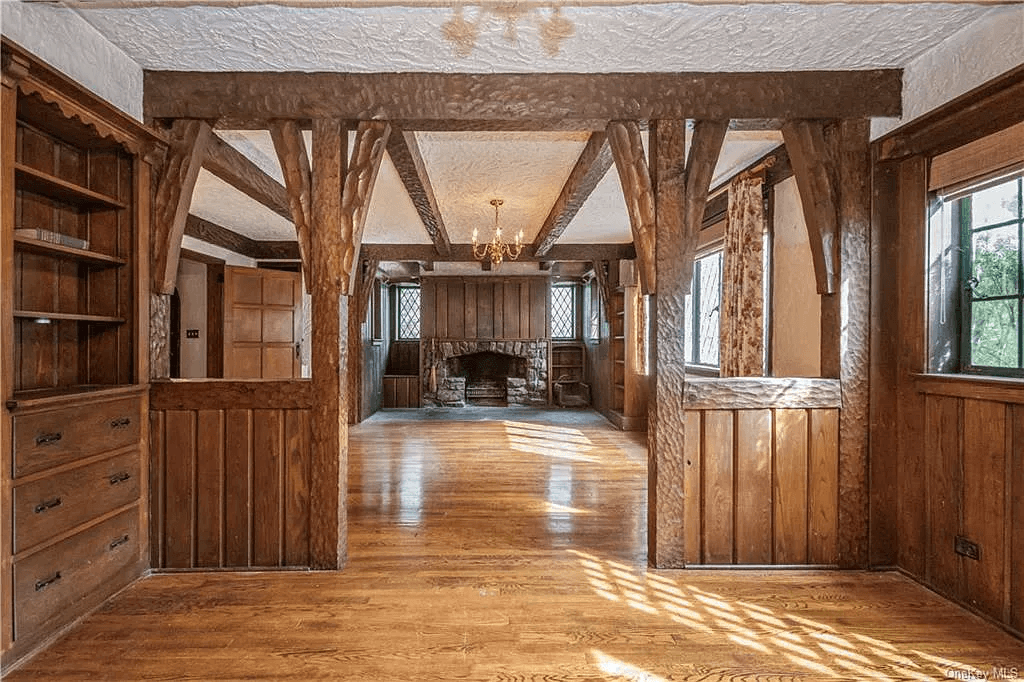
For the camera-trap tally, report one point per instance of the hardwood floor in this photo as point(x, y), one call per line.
point(490, 545)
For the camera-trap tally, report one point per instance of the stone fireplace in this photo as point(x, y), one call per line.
point(461, 372)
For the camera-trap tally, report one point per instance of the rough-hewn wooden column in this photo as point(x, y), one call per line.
point(851, 336)
point(680, 189)
point(328, 525)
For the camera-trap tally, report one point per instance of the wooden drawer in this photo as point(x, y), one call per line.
point(54, 580)
point(52, 505)
point(47, 439)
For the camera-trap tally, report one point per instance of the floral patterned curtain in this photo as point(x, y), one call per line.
point(742, 314)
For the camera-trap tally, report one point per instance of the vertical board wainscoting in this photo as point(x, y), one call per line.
point(230, 474)
point(762, 471)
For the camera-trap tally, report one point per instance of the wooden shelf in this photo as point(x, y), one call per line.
point(74, 317)
point(50, 249)
point(37, 181)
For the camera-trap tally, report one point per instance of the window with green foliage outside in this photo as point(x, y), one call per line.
point(991, 224)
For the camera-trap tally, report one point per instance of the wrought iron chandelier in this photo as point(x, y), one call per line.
point(496, 250)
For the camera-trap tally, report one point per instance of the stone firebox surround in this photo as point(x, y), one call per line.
point(442, 390)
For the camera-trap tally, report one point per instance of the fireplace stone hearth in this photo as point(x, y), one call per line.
point(485, 372)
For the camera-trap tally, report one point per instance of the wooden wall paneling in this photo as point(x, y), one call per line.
point(179, 482)
point(456, 309)
point(470, 330)
point(498, 308)
point(539, 308)
point(692, 487)
point(911, 504)
point(790, 487)
point(238, 487)
point(440, 311)
point(1016, 577)
point(943, 492)
point(984, 466)
point(485, 310)
point(428, 309)
point(157, 501)
point(719, 502)
point(267, 481)
point(215, 320)
point(390, 386)
point(753, 486)
point(823, 487)
point(511, 304)
point(524, 309)
point(883, 521)
point(209, 487)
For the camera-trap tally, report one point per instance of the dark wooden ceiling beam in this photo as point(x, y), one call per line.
point(291, 152)
point(463, 253)
point(405, 154)
point(215, 234)
point(234, 168)
point(249, 99)
point(594, 162)
point(188, 141)
point(638, 191)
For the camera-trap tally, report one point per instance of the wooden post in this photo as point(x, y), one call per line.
point(852, 337)
point(328, 526)
point(680, 191)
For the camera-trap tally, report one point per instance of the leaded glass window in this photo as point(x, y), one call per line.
point(408, 317)
point(701, 335)
point(563, 311)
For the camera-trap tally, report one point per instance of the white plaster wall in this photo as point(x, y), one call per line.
point(65, 41)
point(982, 50)
point(229, 257)
point(796, 305)
point(192, 292)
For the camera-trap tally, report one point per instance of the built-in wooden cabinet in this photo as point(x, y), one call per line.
point(74, 316)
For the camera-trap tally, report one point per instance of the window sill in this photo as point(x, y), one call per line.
point(997, 389)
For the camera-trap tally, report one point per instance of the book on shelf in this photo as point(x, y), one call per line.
point(52, 237)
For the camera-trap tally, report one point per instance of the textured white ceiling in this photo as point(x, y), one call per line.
point(220, 203)
point(526, 170)
point(632, 38)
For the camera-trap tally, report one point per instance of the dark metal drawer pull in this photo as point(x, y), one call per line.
point(48, 504)
point(117, 542)
point(42, 584)
point(120, 423)
point(48, 438)
point(119, 478)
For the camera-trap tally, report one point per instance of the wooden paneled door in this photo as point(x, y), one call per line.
point(262, 323)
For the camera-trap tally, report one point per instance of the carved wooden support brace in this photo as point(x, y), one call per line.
point(188, 140)
point(814, 164)
point(234, 168)
point(594, 162)
point(601, 273)
point(705, 146)
point(405, 154)
point(371, 141)
point(291, 152)
point(635, 177)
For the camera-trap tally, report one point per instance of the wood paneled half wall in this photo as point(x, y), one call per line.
point(762, 467)
point(230, 474)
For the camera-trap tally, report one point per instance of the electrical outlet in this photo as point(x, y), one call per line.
point(965, 547)
point(191, 333)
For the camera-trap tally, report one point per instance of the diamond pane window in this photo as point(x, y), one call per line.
point(563, 311)
point(701, 336)
point(408, 312)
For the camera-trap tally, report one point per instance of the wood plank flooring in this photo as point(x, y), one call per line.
point(509, 545)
